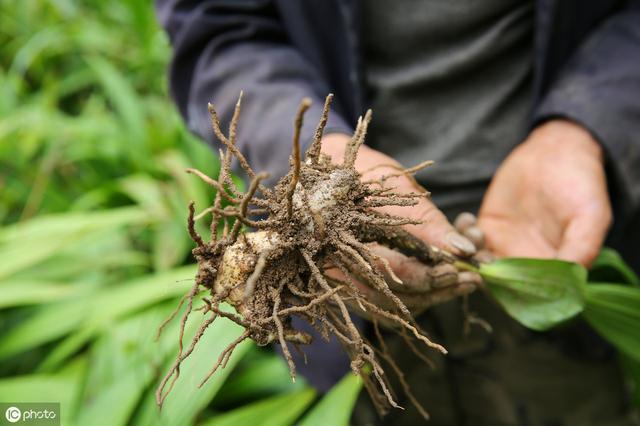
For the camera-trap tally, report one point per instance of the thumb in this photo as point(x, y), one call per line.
point(583, 238)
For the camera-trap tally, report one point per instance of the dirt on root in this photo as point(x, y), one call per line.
point(317, 219)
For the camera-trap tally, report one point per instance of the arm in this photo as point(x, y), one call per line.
point(599, 89)
point(223, 47)
point(549, 197)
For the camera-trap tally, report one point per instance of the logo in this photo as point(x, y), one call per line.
point(13, 414)
point(30, 413)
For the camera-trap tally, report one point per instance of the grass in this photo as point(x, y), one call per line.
point(92, 225)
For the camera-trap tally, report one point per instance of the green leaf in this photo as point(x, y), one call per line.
point(63, 387)
point(93, 310)
point(537, 293)
point(116, 401)
point(186, 400)
point(122, 95)
point(122, 367)
point(336, 407)
point(610, 267)
point(25, 244)
point(22, 293)
point(281, 410)
point(258, 376)
point(614, 311)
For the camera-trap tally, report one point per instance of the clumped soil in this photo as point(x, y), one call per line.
point(312, 227)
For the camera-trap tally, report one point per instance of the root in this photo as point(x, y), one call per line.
point(173, 314)
point(318, 217)
point(174, 371)
point(351, 153)
point(408, 340)
point(313, 153)
point(244, 204)
point(386, 355)
point(191, 226)
point(224, 357)
point(276, 319)
point(255, 275)
point(355, 334)
point(304, 106)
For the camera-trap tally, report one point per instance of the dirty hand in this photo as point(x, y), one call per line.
point(422, 285)
point(549, 197)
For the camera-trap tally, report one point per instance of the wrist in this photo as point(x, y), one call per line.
point(566, 135)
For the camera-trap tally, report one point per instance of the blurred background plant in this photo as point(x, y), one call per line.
point(93, 248)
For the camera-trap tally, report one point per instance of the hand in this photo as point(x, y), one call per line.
point(549, 197)
point(423, 285)
point(435, 229)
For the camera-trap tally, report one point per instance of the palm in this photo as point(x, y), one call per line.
point(548, 199)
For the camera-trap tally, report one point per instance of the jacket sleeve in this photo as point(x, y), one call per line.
point(600, 89)
point(224, 46)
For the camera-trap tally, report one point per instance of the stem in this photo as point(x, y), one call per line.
point(465, 266)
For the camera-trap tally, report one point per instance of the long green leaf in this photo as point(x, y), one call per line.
point(186, 399)
point(538, 293)
point(336, 407)
point(93, 310)
point(280, 410)
point(122, 95)
point(610, 267)
point(258, 376)
point(63, 387)
point(123, 365)
point(24, 245)
point(22, 293)
point(614, 311)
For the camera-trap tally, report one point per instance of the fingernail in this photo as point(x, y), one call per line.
point(470, 278)
point(475, 235)
point(444, 275)
point(464, 221)
point(485, 256)
point(461, 243)
point(465, 288)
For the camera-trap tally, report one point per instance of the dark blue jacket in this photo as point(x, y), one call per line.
point(586, 68)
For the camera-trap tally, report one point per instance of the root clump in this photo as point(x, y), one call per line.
point(318, 218)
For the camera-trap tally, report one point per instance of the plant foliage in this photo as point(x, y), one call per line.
point(93, 241)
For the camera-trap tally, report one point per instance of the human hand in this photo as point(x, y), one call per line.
point(549, 197)
point(422, 285)
point(435, 229)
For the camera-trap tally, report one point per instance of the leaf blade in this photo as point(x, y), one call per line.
point(337, 405)
point(538, 293)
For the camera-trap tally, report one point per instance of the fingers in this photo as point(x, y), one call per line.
point(583, 237)
point(422, 286)
point(421, 301)
point(436, 230)
point(466, 283)
point(417, 302)
point(505, 237)
point(467, 224)
point(415, 275)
